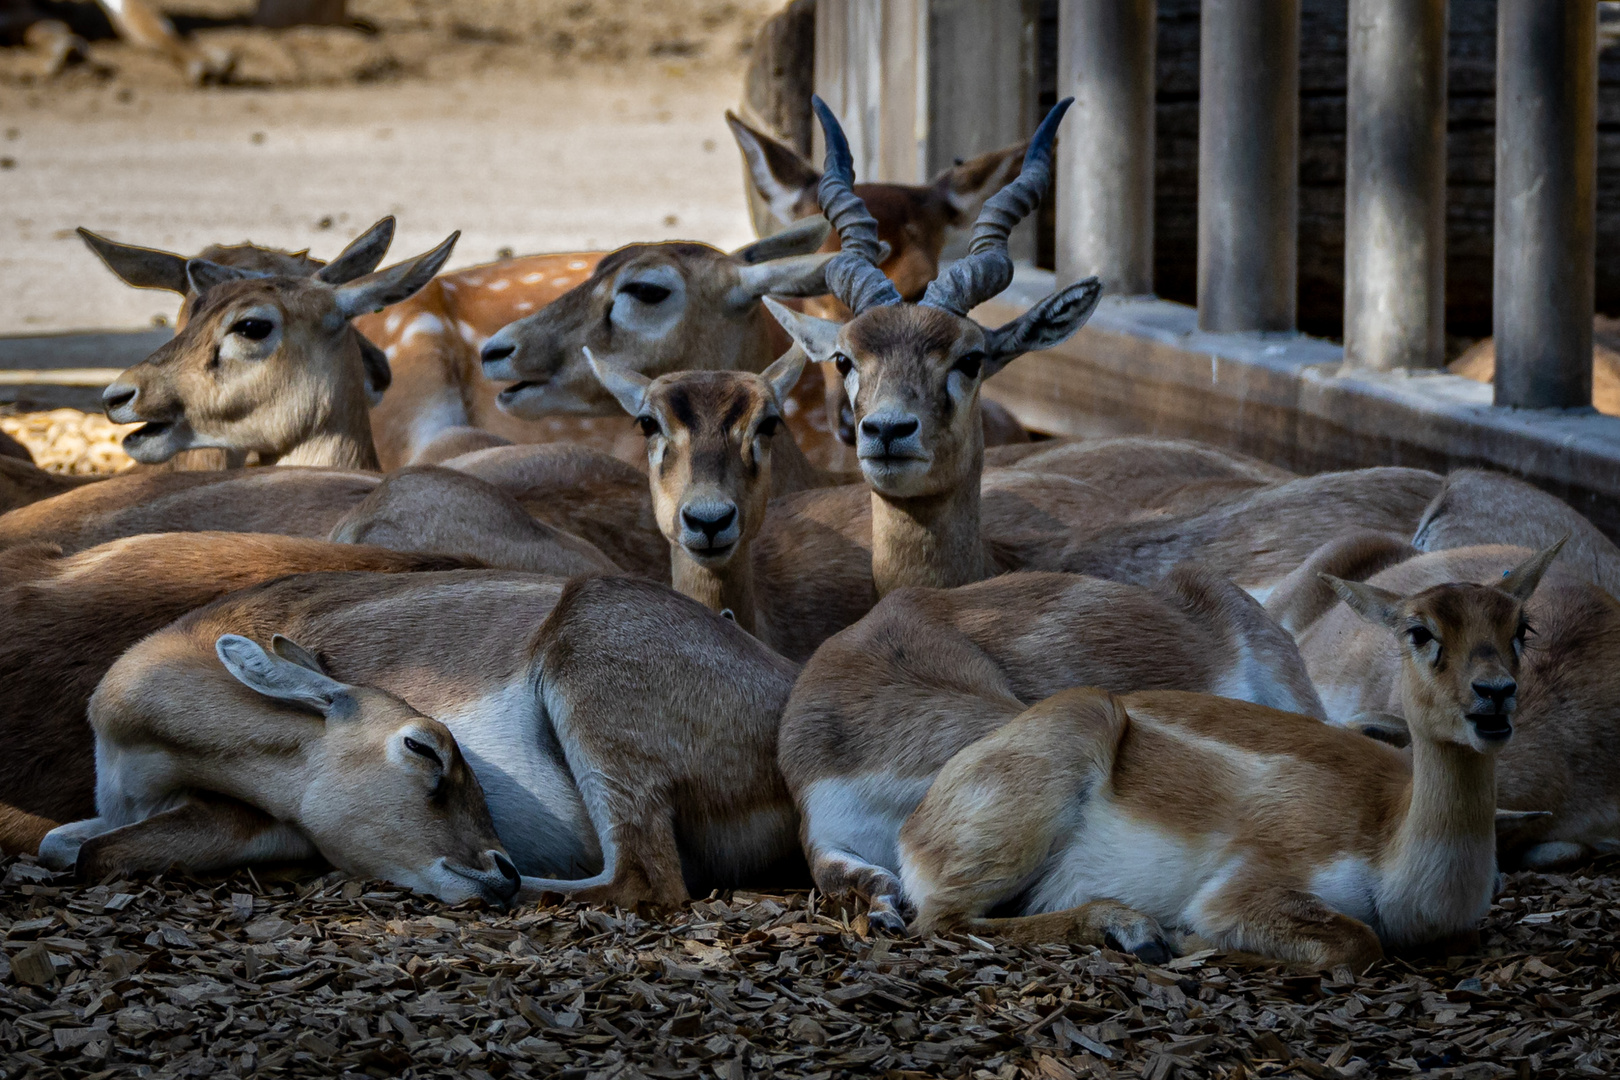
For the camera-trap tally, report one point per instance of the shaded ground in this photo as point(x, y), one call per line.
point(531, 125)
point(326, 976)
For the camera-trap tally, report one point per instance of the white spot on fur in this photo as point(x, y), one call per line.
point(525, 305)
point(577, 264)
point(391, 323)
point(425, 323)
point(532, 279)
point(562, 282)
point(500, 286)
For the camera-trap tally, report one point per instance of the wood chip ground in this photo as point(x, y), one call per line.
point(327, 976)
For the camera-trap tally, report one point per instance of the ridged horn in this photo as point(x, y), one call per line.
point(852, 275)
point(987, 268)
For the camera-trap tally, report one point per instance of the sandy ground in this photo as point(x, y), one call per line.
point(535, 126)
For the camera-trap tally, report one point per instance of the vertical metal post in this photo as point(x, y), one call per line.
point(1546, 201)
point(1395, 185)
point(1105, 157)
point(1248, 164)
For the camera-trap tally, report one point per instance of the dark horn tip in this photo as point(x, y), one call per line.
point(1045, 135)
point(838, 154)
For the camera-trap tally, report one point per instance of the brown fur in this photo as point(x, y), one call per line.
point(23, 482)
point(442, 511)
point(67, 617)
point(666, 710)
point(1560, 760)
point(287, 501)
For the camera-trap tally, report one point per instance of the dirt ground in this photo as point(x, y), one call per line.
point(530, 125)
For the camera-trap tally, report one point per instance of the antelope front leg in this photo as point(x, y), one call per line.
point(1286, 923)
point(201, 836)
point(836, 872)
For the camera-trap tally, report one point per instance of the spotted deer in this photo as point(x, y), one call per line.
point(624, 736)
point(64, 619)
point(882, 706)
point(1555, 780)
point(265, 364)
point(1255, 830)
point(295, 765)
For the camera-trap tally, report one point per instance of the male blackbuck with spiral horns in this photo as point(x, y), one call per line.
point(266, 364)
point(1256, 830)
point(913, 371)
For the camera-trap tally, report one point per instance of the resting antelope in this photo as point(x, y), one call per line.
point(334, 770)
point(883, 705)
point(1254, 829)
point(913, 220)
point(1557, 778)
point(265, 364)
point(64, 619)
point(624, 736)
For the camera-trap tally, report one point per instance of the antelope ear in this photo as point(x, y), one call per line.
point(1050, 322)
point(1520, 582)
point(399, 282)
point(803, 237)
point(783, 374)
point(204, 275)
point(379, 373)
point(144, 268)
point(361, 256)
point(802, 275)
point(966, 185)
point(779, 174)
point(817, 337)
point(629, 388)
point(277, 678)
point(1369, 601)
point(288, 649)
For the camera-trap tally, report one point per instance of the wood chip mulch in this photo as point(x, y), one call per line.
point(331, 976)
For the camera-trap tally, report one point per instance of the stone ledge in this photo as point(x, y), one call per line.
point(1141, 365)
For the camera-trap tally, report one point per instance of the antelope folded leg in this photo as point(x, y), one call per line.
point(206, 835)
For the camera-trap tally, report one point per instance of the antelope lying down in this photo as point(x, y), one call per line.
point(349, 772)
point(1229, 819)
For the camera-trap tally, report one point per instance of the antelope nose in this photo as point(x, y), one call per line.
point(1497, 693)
point(496, 351)
point(117, 398)
point(511, 881)
point(710, 519)
point(887, 429)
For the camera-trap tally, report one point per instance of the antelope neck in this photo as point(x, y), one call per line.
point(933, 541)
point(731, 586)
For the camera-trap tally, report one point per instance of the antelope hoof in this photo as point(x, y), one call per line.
point(59, 852)
point(1132, 932)
point(883, 916)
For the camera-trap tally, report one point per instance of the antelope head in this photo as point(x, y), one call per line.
point(654, 308)
point(1460, 648)
point(708, 449)
point(386, 793)
point(267, 363)
point(912, 372)
point(151, 268)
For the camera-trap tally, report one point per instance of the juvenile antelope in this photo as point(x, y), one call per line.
point(624, 736)
point(913, 371)
point(883, 705)
point(265, 364)
point(1557, 777)
point(1256, 830)
point(333, 771)
point(64, 619)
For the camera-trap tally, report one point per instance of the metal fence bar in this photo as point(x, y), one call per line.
point(1248, 164)
point(1546, 201)
point(1105, 57)
point(1395, 185)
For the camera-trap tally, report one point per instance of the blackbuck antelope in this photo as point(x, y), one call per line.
point(1557, 779)
point(1256, 830)
point(64, 619)
point(913, 371)
point(266, 364)
point(882, 706)
point(349, 773)
point(624, 736)
point(913, 220)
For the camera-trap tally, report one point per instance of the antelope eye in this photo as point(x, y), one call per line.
point(645, 291)
point(649, 426)
point(970, 365)
point(253, 329)
point(844, 365)
point(422, 749)
point(1419, 636)
point(769, 426)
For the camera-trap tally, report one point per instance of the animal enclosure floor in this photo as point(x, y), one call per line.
point(251, 976)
